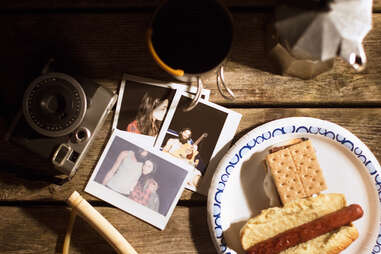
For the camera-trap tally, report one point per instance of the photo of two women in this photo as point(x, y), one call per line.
point(140, 176)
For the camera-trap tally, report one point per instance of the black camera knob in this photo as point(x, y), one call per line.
point(81, 134)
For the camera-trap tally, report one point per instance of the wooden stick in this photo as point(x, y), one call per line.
point(100, 224)
point(66, 244)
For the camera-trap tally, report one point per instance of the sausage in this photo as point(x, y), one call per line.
point(307, 231)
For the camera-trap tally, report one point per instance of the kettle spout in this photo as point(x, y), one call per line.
point(353, 52)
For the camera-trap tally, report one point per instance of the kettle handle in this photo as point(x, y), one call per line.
point(353, 52)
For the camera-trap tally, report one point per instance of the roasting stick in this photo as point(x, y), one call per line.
point(66, 244)
point(98, 222)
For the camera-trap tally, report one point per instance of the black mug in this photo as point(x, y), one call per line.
point(191, 39)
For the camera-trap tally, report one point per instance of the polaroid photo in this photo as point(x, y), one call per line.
point(141, 109)
point(198, 138)
point(205, 93)
point(143, 105)
point(135, 179)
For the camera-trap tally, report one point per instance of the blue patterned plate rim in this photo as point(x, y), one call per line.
point(263, 133)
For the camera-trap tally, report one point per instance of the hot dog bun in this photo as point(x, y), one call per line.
point(273, 221)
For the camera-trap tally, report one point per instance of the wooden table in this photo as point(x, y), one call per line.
point(101, 40)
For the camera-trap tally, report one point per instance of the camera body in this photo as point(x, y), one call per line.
point(60, 117)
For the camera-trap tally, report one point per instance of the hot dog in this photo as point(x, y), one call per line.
point(307, 231)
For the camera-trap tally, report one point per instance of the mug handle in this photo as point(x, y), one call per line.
point(221, 82)
point(194, 102)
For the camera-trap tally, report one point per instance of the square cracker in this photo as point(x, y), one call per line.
point(296, 171)
point(308, 167)
point(285, 176)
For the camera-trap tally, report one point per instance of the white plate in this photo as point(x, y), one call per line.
point(349, 167)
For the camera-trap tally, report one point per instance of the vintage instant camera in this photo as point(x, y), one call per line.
point(60, 117)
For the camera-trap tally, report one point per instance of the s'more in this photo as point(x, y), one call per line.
point(295, 170)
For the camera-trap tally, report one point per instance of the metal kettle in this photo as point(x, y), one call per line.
point(306, 36)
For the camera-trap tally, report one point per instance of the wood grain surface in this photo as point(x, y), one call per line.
point(41, 229)
point(111, 4)
point(116, 44)
point(101, 40)
point(20, 182)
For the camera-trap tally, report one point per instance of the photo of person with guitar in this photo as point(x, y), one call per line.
point(183, 146)
point(192, 137)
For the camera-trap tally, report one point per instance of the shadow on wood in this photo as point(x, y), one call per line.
point(84, 240)
point(249, 47)
point(200, 230)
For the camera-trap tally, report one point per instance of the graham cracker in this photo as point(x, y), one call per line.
point(285, 175)
point(296, 171)
point(308, 167)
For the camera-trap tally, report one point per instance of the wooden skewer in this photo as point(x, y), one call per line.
point(99, 223)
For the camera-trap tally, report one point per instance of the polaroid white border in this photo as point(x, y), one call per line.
point(184, 87)
point(142, 138)
point(181, 88)
point(223, 143)
point(124, 203)
point(118, 104)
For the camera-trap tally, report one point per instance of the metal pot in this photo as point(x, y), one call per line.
point(309, 35)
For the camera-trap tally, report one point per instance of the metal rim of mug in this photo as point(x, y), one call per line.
point(80, 117)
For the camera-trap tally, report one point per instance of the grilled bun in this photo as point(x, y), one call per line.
point(272, 221)
point(330, 243)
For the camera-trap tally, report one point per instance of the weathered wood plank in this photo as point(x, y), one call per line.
point(251, 76)
point(115, 4)
point(99, 45)
point(21, 179)
point(91, 4)
point(42, 229)
point(376, 5)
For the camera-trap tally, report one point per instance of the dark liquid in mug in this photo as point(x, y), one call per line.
point(192, 35)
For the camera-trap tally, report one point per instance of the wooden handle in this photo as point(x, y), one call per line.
point(100, 224)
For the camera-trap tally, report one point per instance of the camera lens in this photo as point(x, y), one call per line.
point(54, 104)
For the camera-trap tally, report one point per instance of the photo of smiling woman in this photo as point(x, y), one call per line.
point(137, 179)
point(134, 179)
point(140, 175)
point(150, 115)
point(142, 108)
point(145, 192)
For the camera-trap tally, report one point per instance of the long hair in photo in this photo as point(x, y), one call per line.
point(146, 122)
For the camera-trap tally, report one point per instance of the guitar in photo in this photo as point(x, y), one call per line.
point(183, 147)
